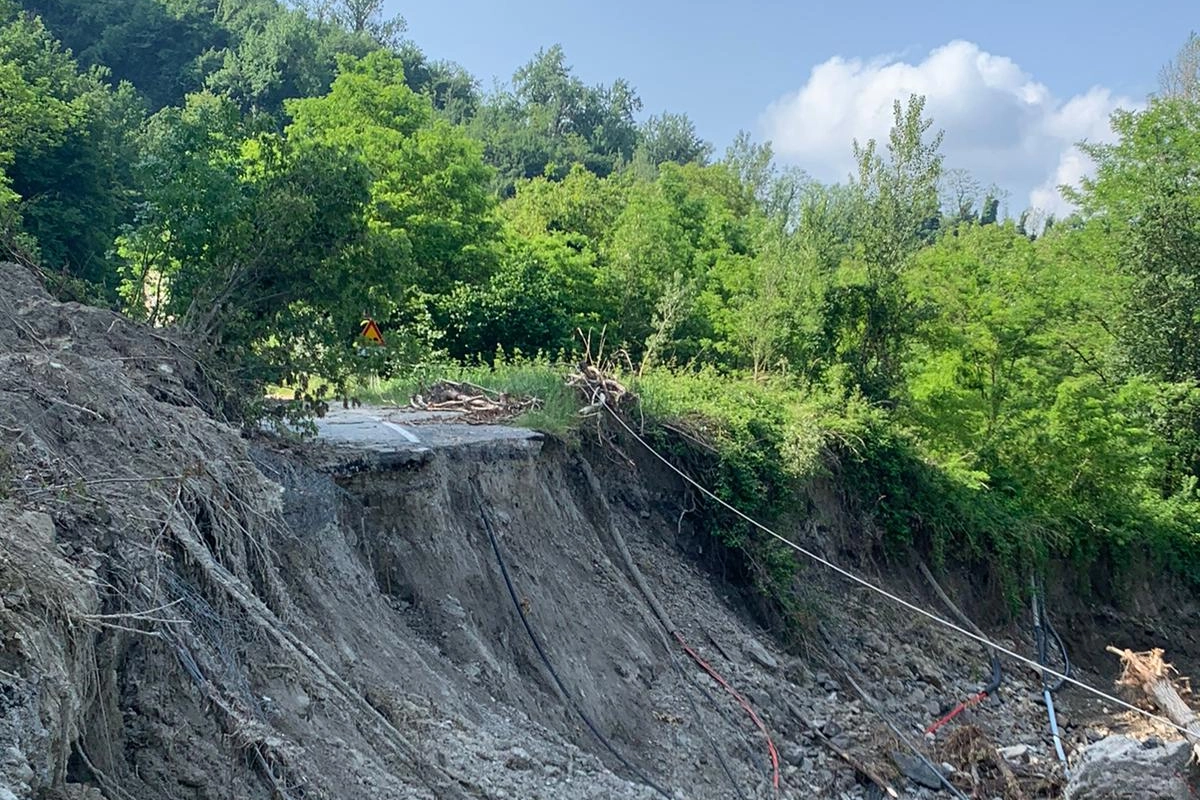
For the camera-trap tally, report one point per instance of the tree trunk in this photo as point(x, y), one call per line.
point(1152, 675)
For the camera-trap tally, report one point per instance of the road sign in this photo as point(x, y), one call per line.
point(371, 332)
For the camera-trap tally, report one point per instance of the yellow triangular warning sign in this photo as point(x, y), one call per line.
point(371, 332)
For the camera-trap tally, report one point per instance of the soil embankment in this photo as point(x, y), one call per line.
point(188, 614)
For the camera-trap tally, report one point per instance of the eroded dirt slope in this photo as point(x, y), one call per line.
point(187, 614)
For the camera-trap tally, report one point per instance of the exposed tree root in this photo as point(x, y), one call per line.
point(1149, 672)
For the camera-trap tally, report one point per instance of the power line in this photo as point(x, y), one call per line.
point(863, 582)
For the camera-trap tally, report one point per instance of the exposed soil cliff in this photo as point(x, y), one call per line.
point(188, 614)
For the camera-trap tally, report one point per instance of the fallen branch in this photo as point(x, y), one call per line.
point(597, 387)
point(858, 765)
point(1150, 673)
point(476, 404)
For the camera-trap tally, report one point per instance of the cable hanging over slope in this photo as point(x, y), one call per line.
point(866, 584)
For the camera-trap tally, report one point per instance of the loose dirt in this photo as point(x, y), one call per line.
point(188, 613)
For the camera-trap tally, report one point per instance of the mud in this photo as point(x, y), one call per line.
point(189, 614)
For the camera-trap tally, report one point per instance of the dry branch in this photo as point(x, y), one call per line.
point(970, 750)
point(1150, 673)
point(857, 764)
point(597, 387)
point(475, 404)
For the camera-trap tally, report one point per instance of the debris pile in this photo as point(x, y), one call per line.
point(475, 405)
point(597, 388)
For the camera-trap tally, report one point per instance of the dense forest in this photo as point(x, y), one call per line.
point(261, 175)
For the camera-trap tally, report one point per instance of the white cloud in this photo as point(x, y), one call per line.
point(1002, 125)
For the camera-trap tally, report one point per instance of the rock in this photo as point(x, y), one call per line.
point(917, 771)
point(1014, 752)
point(754, 649)
point(1121, 768)
point(518, 759)
point(15, 767)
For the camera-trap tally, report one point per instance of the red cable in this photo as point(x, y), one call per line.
point(744, 702)
point(958, 709)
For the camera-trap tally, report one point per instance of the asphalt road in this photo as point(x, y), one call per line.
point(393, 430)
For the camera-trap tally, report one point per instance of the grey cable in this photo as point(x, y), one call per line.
point(863, 582)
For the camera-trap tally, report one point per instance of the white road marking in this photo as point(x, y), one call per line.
point(407, 434)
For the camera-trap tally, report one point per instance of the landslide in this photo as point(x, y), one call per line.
point(175, 623)
point(188, 613)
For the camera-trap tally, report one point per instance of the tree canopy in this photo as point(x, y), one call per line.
point(263, 175)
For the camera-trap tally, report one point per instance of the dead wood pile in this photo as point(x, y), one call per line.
point(475, 404)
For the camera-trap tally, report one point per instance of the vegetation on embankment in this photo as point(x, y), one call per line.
point(763, 445)
point(1014, 389)
point(760, 446)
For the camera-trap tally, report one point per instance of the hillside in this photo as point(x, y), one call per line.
point(189, 613)
point(203, 206)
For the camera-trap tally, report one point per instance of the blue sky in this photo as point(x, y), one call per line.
point(1013, 84)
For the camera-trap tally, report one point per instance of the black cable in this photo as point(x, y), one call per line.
point(997, 676)
point(512, 593)
point(1062, 648)
point(1041, 627)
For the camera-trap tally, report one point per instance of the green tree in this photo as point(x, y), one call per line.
point(246, 241)
point(989, 350)
point(670, 137)
point(547, 120)
point(530, 304)
point(678, 251)
point(157, 46)
point(279, 58)
point(431, 215)
point(778, 191)
point(1145, 197)
point(867, 320)
point(366, 17)
point(1144, 206)
point(66, 141)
